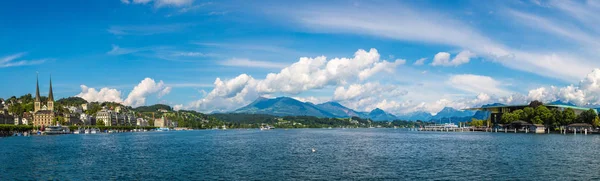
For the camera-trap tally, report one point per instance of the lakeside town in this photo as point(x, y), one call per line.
point(28, 114)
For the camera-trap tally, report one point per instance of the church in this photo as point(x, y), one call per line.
point(43, 114)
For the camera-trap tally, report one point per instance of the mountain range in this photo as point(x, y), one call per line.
point(286, 106)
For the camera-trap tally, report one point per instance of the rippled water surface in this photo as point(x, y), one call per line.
point(370, 154)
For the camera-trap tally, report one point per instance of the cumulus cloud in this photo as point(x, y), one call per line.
point(137, 97)
point(443, 58)
point(104, 95)
point(306, 74)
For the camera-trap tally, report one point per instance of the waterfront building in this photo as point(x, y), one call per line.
point(161, 122)
point(537, 128)
point(23, 120)
point(85, 119)
point(43, 114)
point(106, 116)
point(579, 127)
point(141, 122)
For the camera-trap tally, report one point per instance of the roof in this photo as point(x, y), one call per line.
point(44, 112)
point(538, 125)
point(526, 105)
point(580, 125)
point(568, 106)
point(520, 123)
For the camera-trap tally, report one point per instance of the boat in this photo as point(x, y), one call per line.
point(79, 131)
point(162, 129)
point(267, 127)
point(58, 129)
point(86, 131)
point(94, 131)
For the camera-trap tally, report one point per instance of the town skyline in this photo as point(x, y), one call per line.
point(220, 56)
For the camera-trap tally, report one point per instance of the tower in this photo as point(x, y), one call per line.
point(37, 103)
point(50, 102)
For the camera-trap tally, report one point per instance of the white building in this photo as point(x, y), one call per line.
point(85, 119)
point(107, 117)
point(141, 122)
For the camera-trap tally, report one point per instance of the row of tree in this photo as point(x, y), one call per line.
point(551, 117)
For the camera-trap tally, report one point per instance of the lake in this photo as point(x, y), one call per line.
point(373, 154)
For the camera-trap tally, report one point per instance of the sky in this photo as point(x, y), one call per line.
point(217, 56)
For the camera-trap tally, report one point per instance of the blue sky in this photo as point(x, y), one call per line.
point(216, 55)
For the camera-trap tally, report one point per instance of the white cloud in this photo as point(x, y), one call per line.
point(162, 3)
point(399, 21)
point(443, 58)
point(178, 107)
point(172, 3)
point(116, 50)
point(148, 29)
point(15, 61)
point(242, 62)
point(137, 97)
point(104, 95)
point(420, 61)
point(306, 74)
point(477, 84)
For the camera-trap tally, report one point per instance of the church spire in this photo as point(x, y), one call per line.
point(37, 89)
point(50, 95)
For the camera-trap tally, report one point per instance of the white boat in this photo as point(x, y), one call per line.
point(58, 129)
point(86, 131)
point(94, 131)
point(266, 127)
point(162, 129)
point(79, 131)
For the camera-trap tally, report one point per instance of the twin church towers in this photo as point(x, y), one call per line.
point(43, 114)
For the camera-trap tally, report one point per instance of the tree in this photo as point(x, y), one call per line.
point(587, 116)
point(569, 116)
point(100, 123)
point(544, 115)
point(529, 113)
point(510, 117)
point(520, 114)
point(16, 109)
point(535, 104)
point(556, 118)
point(596, 122)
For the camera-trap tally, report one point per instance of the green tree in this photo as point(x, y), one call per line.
point(556, 119)
point(520, 114)
point(100, 123)
point(596, 122)
point(535, 104)
point(544, 115)
point(510, 117)
point(569, 116)
point(529, 113)
point(16, 109)
point(587, 116)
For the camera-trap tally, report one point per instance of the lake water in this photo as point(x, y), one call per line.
point(374, 154)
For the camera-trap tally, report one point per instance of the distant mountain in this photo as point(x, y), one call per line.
point(492, 105)
point(283, 106)
point(449, 112)
point(380, 115)
point(562, 103)
point(414, 116)
point(339, 111)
